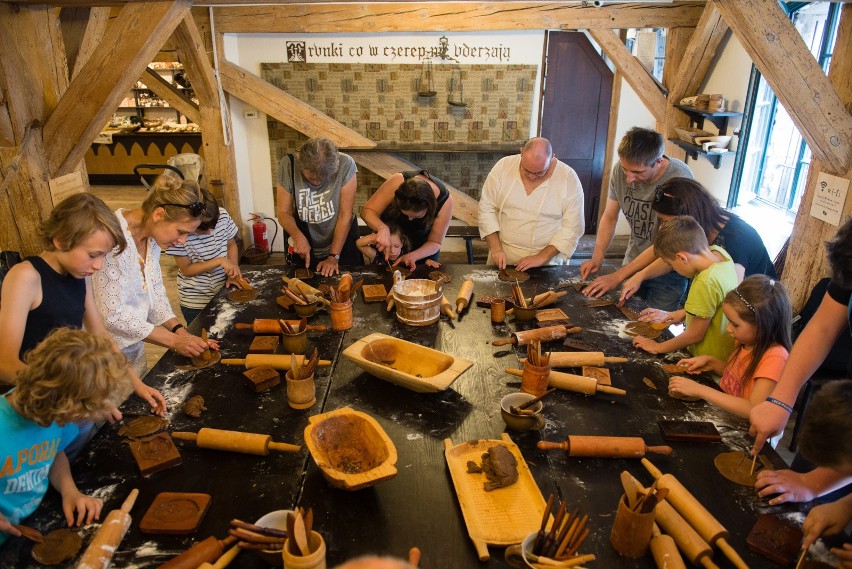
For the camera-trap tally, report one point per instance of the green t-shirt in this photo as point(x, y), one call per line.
point(706, 294)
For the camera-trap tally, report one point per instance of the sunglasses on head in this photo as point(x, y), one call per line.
point(659, 194)
point(195, 209)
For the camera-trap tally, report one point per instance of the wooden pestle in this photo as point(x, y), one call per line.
point(546, 334)
point(578, 359)
point(696, 514)
point(271, 326)
point(223, 561)
point(277, 361)
point(447, 308)
point(604, 447)
point(235, 441)
point(465, 294)
point(205, 551)
point(105, 543)
point(571, 382)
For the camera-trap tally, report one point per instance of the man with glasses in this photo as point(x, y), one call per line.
point(531, 209)
point(642, 167)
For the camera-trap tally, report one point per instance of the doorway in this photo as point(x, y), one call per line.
point(576, 94)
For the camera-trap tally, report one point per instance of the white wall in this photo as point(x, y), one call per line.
point(251, 139)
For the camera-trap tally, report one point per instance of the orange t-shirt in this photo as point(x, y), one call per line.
point(770, 367)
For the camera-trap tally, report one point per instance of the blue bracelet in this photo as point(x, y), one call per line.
point(780, 404)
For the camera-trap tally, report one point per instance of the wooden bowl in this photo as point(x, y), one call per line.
point(406, 364)
point(350, 448)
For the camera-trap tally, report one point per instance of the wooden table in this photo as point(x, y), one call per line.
point(419, 507)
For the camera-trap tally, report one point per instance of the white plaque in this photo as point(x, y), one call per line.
point(67, 185)
point(829, 198)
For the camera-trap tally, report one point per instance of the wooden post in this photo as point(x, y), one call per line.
point(677, 40)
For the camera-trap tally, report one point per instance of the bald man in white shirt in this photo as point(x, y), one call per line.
point(531, 209)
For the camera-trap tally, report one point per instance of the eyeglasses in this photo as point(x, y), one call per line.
point(537, 174)
point(659, 194)
point(195, 209)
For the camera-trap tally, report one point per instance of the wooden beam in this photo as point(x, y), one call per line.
point(677, 40)
point(82, 30)
point(171, 94)
point(220, 163)
point(384, 164)
point(449, 17)
point(286, 108)
point(798, 81)
point(633, 71)
point(7, 134)
point(806, 262)
point(698, 55)
point(105, 79)
point(612, 129)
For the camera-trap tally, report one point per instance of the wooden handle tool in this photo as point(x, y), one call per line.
point(276, 361)
point(571, 382)
point(465, 294)
point(604, 447)
point(547, 298)
point(102, 547)
point(707, 526)
point(271, 326)
point(546, 334)
point(579, 359)
point(206, 551)
point(223, 561)
point(447, 308)
point(235, 441)
point(297, 285)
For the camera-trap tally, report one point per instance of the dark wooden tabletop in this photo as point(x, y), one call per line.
point(418, 507)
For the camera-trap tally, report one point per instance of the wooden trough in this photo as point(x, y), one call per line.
point(350, 448)
point(406, 364)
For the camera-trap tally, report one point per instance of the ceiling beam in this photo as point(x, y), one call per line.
point(171, 94)
point(110, 72)
point(82, 30)
point(699, 54)
point(782, 57)
point(632, 71)
point(450, 16)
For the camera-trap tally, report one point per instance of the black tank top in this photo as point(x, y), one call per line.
point(415, 229)
point(63, 302)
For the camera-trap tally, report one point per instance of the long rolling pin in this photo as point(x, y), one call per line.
point(544, 299)
point(546, 334)
point(235, 441)
point(276, 361)
point(223, 561)
point(578, 359)
point(102, 547)
point(447, 308)
point(697, 515)
point(604, 447)
point(205, 551)
point(571, 382)
point(465, 293)
point(297, 285)
point(271, 326)
point(687, 539)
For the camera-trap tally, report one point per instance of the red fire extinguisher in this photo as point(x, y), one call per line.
point(258, 230)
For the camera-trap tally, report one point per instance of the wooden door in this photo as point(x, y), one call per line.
point(576, 93)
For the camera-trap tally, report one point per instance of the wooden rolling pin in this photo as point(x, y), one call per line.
point(697, 515)
point(297, 285)
point(687, 539)
point(465, 293)
point(571, 382)
point(446, 308)
point(578, 359)
point(546, 334)
point(223, 561)
point(604, 447)
point(235, 441)
point(544, 299)
point(205, 551)
point(276, 361)
point(271, 326)
point(664, 551)
point(389, 300)
point(102, 547)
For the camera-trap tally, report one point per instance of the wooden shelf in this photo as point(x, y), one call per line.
point(695, 150)
point(719, 119)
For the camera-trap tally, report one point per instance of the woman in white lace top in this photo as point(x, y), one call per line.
point(129, 291)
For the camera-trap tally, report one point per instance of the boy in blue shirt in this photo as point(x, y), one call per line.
point(70, 377)
point(681, 243)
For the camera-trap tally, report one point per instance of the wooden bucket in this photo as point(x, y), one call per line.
point(418, 301)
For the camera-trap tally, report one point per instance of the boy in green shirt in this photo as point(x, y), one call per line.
point(681, 243)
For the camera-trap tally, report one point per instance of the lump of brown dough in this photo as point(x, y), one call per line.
point(194, 406)
point(500, 468)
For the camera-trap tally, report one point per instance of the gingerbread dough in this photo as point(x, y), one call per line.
point(735, 466)
point(199, 362)
point(194, 406)
point(142, 426)
point(641, 329)
point(242, 295)
point(500, 467)
point(58, 546)
point(439, 276)
point(512, 275)
point(304, 273)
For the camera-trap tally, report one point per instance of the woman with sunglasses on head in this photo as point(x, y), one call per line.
point(129, 290)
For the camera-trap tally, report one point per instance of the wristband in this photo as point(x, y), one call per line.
point(780, 404)
point(176, 327)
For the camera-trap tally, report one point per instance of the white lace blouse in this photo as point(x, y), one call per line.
point(131, 303)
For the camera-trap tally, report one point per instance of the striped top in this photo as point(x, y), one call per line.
point(196, 292)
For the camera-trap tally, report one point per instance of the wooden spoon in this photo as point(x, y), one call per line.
point(629, 488)
point(31, 534)
point(291, 542)
point(299, 535)
point(309, 526)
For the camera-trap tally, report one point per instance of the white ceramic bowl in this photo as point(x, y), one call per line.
point(274, 520)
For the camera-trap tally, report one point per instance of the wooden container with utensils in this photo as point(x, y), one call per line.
point(294, 343)
point(631, 530)
point(341, 315)
point(314, 560)
point(301, 393)
point(534, 379)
